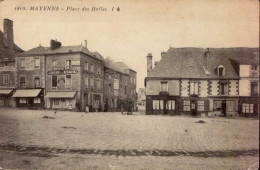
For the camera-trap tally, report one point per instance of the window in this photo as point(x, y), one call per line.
point(247, 108)
point(23, 100)
point(223, 88)
point(230, 105)
point(134, 80)
point(36, 100)
point(194, 88)
point(186, 105)
point(86, 65)
point(22, 82)
point(164, 86)
point(112, 103)
point(6, 79)
point(92, 68)
point(86, 81)
point(98, 70)
point(200, 105)
point(54, 81)
point(36, 82)
point(36, 63)
point(68, 64)
point(217, 105)
point(254, 88)
point(91, 82)
point(109, 76)
point(22, 63)
point(54, 64)
point(98, 84)
point(55, 102)
point(170, 105)
point(68, 81)
point(253, 67)
point(221, 71)
point(156, 104)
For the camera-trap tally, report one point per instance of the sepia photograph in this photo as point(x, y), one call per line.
point(129, 84)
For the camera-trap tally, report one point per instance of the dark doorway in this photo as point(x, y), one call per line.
point(193, 108)
point(165, 107)
point(223, 107)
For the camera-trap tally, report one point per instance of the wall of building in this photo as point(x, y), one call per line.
point(153, 87)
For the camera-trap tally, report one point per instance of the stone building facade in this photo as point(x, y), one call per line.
point(193, 81)
point(8, 51)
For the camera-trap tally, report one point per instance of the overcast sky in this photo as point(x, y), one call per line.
point(138, 28)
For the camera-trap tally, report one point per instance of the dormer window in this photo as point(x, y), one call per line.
point(221, 71)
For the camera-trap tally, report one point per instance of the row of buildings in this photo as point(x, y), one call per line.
point(197, 81)
point(59, 76)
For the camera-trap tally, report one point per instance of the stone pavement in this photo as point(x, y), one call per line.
point(114, 135)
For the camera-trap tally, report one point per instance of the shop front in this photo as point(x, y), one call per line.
point(33, 98)
point(6, 99)
point(61, 100)
point(248, 106)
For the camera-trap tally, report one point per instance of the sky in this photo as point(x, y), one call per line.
point(138, 28)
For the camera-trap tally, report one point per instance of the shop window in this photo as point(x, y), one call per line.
point(156, 104)
point(68, 81)
point(194, 88)
point(223, 88)
point(186, 105)
point(36, 82)
point(68, 64)
point(253, 67)
point(22, 82)
point(217, 105)
point(22, 63)
point(164, 86)
point(230, 106)
point(6, 79)
point(54, 80)
point(254, 88)
point(247, 108)
point(23, 100)
point(170, 105)
point(37, 63)
point(36, 100)
point(86, 65)
point(86, 81)
point(55, 102)
point(201, 105)
point(54, 64)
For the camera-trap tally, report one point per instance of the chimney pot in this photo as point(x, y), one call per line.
point(55, 44)
point(163, 54)
point(149, 63)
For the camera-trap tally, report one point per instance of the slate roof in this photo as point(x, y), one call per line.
point(40, 50)
point(117, 66)
point(189, 62)
point(5, 52)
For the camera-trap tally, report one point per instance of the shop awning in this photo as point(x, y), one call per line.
point(5, 91)
point(27, 93)
point(61, 94)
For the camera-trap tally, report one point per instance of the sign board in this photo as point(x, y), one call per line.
point(7, 68)
point(116, 84)
point(62, 72)
point(75, 62)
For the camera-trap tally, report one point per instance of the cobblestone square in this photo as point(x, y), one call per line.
point(114, 141)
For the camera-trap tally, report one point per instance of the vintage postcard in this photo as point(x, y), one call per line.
point(129, 84)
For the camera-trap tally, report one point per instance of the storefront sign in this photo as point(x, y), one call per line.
point(62, 72)
point(7, 68)
point(116, 84)
point(75, 62)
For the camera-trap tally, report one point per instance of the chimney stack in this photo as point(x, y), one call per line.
point(8, 33)
point(207, 57)
point(149, 63)
point(163, 54)
point(86, 44)
point(55, 44)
